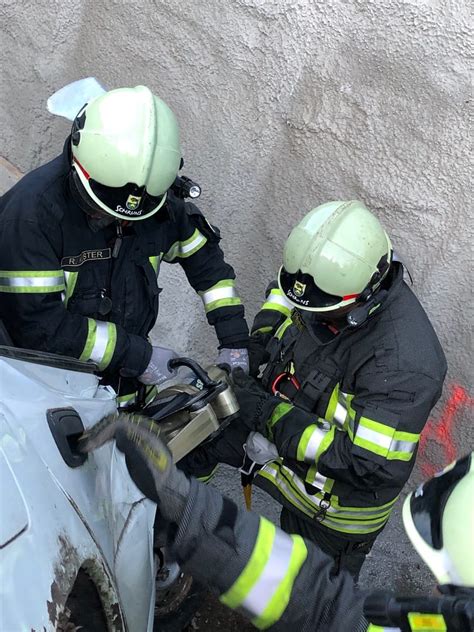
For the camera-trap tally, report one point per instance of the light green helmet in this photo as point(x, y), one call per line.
point(126, 152)
point(439, 520)
point(337, 251)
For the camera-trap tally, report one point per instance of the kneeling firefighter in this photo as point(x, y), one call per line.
point(283, 582)
point(353, 369)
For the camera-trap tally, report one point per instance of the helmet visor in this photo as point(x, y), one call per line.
point(427, 504)
point(303, 292)
point(129, 202)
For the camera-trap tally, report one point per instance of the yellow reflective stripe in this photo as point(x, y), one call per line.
point(186, 248)
point(125, 400)
point(309, 443)
point(264, 587)
point(357, 520)
point(155, 262)
point(314, 444)
point(31, 282)
point(70, 280)
point(278, 412)
point(279, 601)
point(333, 400)
point(263, 330)
point(222, 294)
point(277, 302)
point(254, 567)
point(100, 342)
point(282, 328)
point(426, 622)
point(378, 628)
point(383, 440)
point(207, 477)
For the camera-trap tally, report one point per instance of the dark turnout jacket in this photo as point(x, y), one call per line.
point(68, 289)
point(348, 434)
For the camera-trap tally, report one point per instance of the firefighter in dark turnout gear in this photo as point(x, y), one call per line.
point(283, 582)
point(79, 273)
point(353, 371)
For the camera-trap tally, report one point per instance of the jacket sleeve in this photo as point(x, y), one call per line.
point(369, 438)
point(198, 252)
point(33, 304)
point(274, 311)
point(278, 581)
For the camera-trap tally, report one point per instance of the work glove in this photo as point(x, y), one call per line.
point(158, 370)
point(149, 461)
point(258, 354)
point(234, 359)
point(256, 405)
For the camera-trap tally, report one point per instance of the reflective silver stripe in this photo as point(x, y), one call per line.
point(33, 281)
point(382, 440)
point(340, 414)
point(318, 480)
point(286, 489)
point(314, 500)
point(219, 293)
point(100, 342)
point(184, 249)
point(353, 526)
point(278, 299)
point(314, 442)
point(403, 446)
point(272, 575)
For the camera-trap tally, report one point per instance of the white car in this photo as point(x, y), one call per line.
point(75, 533)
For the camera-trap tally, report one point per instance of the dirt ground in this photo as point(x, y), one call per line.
point(214, 617)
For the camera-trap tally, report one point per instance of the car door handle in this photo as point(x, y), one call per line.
point(66, 427)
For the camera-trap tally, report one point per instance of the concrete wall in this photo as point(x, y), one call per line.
point(283, 105)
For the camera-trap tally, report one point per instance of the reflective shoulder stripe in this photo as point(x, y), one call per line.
point(278, 302)
point(264, 587)
point(31, 282)
point(314, 441)
point(100, 343)
point(378, 628)
point(222, 294)
point(186, 248)
point(278, 412)
point(383, 440)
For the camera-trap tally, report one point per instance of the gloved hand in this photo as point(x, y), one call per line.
point(149, 461)
point(234, 359)
point(158, 370)
point(256, 405)
point(258, 354)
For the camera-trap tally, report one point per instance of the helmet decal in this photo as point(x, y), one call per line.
point(299, 289)
point(133, 202)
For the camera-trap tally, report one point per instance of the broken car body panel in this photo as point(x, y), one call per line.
point(57, 519)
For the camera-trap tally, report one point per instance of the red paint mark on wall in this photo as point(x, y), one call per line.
point(440, 430)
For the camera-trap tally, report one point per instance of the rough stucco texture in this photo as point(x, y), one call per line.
point(284, 105)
